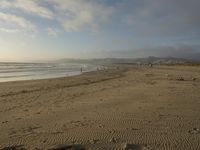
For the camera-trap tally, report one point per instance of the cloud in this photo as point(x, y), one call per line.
point(161, 17)
point(72, 15)
point(141, 18)
point(75, 15)
point(8, 30)
point(13, 23)
point(52, 31)
point(27, 6)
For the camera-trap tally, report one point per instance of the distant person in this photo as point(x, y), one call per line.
point(150, 65)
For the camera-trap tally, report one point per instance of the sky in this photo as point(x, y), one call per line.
point(55, 29)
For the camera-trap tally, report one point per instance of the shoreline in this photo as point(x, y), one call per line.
point(31, 71)
point(48, 78)
point(97, 69)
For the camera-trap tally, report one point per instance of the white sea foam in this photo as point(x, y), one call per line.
point(29, 71)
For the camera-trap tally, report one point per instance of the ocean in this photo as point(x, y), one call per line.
point(30, 71)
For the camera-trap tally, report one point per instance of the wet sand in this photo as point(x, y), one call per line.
point(127, 107)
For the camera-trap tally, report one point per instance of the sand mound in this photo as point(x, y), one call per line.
point(18, 147)
point(135, 147)
point(68, 147)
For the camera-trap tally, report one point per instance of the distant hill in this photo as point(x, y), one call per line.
point(164, 60)
point(147, 60)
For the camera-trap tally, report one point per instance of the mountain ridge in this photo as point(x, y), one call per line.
point(145, 60)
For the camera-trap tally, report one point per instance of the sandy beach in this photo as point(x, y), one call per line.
point(126, 107)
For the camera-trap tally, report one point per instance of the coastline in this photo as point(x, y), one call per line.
point(142, 107)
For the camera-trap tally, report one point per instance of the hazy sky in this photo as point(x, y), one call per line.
point(52, 29)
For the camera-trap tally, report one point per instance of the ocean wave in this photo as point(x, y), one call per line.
point(26, 71)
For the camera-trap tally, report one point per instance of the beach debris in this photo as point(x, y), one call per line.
point(93, 141)
point(134, 129)
point(194, 79)
point(148, 74)
point(195, 131)
point(113, 140)
point(136, 147)
point(16, 147)
point(4, 122)
point(167, 75)
point(45, 140)
point(68, 147)
point(101, 126)
point(180, 79)
point(111, 131)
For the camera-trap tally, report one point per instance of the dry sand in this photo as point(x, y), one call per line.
point(123, 108)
